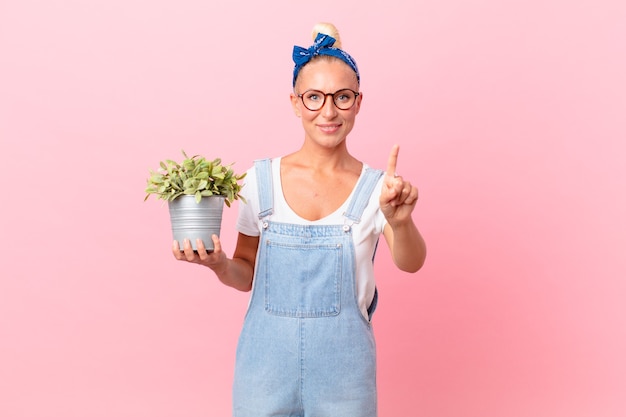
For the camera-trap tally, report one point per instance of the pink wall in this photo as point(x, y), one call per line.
point(511, 119)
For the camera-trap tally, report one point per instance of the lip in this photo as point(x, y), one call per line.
point(329, 127)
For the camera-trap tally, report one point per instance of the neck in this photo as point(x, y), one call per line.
point(319, 158)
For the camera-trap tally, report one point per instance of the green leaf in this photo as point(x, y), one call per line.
point(156, 179)
point(172, 163)
point(189, 165)
point(188, 183)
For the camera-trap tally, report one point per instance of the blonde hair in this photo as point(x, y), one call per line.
point(327, 29)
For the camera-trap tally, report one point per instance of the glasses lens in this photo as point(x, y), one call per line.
point(344, 99)
point(313, 99)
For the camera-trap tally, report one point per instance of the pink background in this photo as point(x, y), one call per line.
point(511, 116)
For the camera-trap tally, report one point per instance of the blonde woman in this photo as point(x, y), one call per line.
point(306, 244)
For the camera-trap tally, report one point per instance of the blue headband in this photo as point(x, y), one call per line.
point(323, 46)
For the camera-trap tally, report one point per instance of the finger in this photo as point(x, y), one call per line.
point(392, 162)
point(399, 192)
point(403, 198)
point(413, 196)
point(408, 195)
point(202, 252)
point(176, 250)
point(188, 249)
point(391, 189)
point(217, 245)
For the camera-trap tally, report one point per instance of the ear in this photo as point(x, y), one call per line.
point(295, 104)
point(358, 102)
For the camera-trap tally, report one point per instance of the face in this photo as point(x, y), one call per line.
point(329, 126)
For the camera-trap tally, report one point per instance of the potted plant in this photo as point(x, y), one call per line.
point(196, 190)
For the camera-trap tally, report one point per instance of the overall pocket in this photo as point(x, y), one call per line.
point(303, 280)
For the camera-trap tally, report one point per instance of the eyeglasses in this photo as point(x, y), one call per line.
point(314, 100)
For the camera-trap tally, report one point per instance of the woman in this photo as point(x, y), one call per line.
point(306, 242)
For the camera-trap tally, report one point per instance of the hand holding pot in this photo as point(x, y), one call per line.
point(213, 259)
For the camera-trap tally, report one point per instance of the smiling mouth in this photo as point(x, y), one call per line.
point(329, 128)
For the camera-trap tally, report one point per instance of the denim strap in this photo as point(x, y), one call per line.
point(362, 195)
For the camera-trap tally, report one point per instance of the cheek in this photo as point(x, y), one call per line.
point(349, 118)
point(306, 115)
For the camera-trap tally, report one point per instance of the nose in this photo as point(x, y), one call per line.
point(329, 109)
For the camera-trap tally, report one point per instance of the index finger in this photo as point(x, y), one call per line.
point(393, 161)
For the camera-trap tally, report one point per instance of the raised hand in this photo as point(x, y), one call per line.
point(397, 197)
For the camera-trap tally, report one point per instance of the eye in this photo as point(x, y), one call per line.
point(343, 96)
point(313, 95)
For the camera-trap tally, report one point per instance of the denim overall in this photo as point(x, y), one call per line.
point(305, 349)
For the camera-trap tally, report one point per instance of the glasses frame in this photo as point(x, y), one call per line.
point(356, 95)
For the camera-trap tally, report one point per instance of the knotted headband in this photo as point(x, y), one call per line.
point(323, 45)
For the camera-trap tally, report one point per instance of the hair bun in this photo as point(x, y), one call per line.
point(327, 29)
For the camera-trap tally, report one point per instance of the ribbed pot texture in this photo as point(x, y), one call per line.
point(193, 220)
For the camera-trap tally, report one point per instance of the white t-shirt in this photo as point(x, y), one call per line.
point(365, 233)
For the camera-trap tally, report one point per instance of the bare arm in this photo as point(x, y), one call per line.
point(236, 272)
point(397, 201)
point(407, 246)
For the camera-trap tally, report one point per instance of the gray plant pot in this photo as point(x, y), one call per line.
point(193, 220)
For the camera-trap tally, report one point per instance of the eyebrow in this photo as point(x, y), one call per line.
point(321, 91)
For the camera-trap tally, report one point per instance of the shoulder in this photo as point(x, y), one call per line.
point(371, 174)
point(251, 181)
